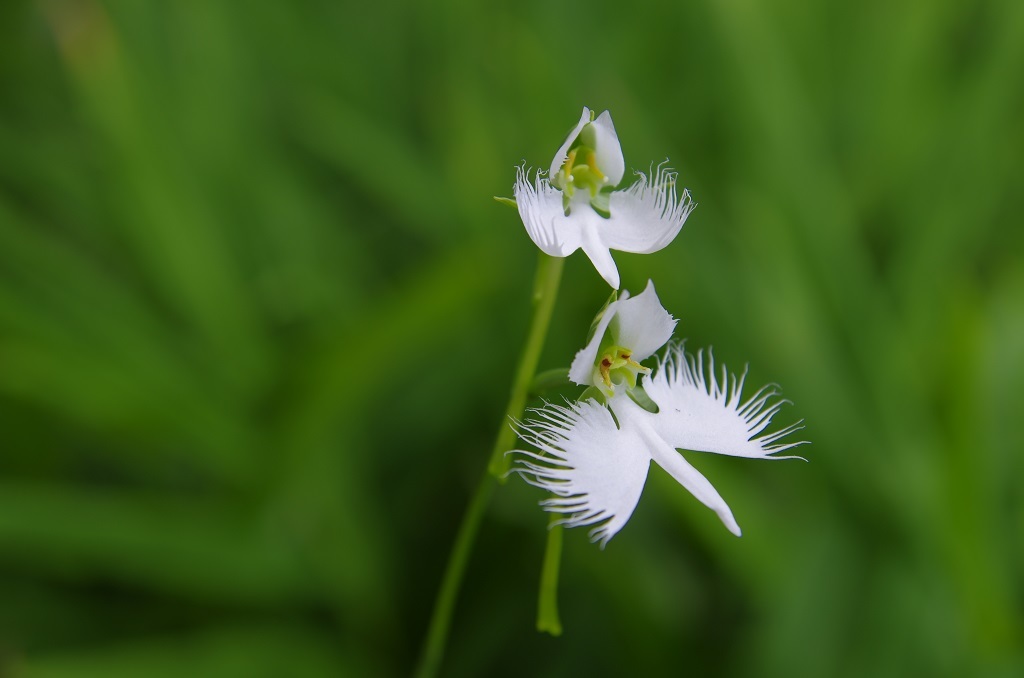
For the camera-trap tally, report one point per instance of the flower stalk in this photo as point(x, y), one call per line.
point(545, 291)
point(548, 620)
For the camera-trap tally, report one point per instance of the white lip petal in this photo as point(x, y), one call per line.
point(563, 151)
point(540, 207)
point(609, 150)
point(702, 411)
point(594, 248)
point(595, 469)
point(582, 369)
point(643, 324)
point(595, 463)
point(695, 483)
point(648, 215)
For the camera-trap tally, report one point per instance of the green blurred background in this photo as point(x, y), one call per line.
point(259, 317)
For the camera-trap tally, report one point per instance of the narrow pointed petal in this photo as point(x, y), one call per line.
point(591, 242)
point(609, 150)
point(582, 369)
point(643, 324)
point(563, 151)
point(702, 411)
point(540, 207)
point(686, 475)
point(648, 215)
point(595, 469)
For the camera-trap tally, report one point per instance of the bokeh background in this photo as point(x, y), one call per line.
point(259, 317)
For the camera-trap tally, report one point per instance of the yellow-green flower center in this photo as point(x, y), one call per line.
point(579, 171)
point(615, 365)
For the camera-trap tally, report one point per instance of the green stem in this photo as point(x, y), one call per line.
point(547, 602)
point(545, 289)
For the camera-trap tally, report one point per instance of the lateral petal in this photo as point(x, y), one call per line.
point(702, 411)
point(540, 207)
point(595, 469)
point(648, 215)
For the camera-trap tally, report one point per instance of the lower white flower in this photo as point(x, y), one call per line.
point(594, 459)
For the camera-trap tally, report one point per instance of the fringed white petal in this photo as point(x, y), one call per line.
point(595, 463)
point(540, 207)
point(563, 151)
point(704, 411)
point(642, 324)
point(608, 150)
point(646, 216)
point(595, 470)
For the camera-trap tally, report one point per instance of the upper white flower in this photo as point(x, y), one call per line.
point(628, 331)
point(576, 206)
point(594, 458)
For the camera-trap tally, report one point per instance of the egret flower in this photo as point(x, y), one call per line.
point(577, 206)
point(627, 332)
point(594, 458)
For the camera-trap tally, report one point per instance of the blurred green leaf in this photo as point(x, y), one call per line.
point(259, 315)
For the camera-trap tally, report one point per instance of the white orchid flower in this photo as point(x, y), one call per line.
point(577, 207)
point(595, 464)
point(628, 331)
